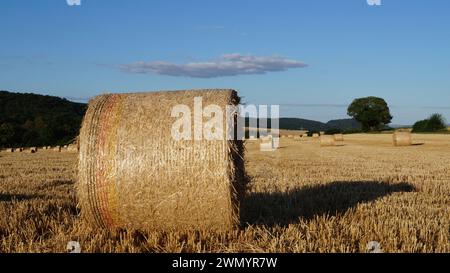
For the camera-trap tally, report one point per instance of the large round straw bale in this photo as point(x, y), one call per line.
point(33, 150)
point(327, 140)
point(134, 174)
point(402, 138)
point(315, 135)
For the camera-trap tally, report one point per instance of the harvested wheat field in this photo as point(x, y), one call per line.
point(301, 198)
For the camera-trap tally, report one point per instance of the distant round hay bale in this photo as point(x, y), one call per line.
point(56, 149)
point(315, 135)
point(338, 137)
point(133, 174)
point(266, 146)
point(304, 135)
point(322, 133)
point(33, 150)
point(402, 138)
point(327, 140)
point(72, 148)
point(10, 150)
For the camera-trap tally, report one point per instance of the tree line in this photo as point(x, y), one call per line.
point(374, 114)
point(35, 120)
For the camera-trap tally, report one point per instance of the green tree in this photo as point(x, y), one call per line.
point(372, 112)
point(435, 122)
point(421, 126)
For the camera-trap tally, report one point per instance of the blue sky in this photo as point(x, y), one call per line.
point(311, 57)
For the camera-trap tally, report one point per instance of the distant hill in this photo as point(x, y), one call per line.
point(395, 126)
point(315, 126)
point(302, 124)
point(37, 120)
point(344, 124)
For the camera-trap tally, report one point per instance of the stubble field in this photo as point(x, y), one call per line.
point(302, 198)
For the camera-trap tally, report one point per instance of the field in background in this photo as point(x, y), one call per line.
point(302, 198)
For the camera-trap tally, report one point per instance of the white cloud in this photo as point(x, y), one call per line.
point(227, 65)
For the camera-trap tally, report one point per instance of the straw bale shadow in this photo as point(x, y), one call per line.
point(284, 208)
point(19, 197)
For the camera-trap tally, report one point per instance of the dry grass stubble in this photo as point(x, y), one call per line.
point(302, 198)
